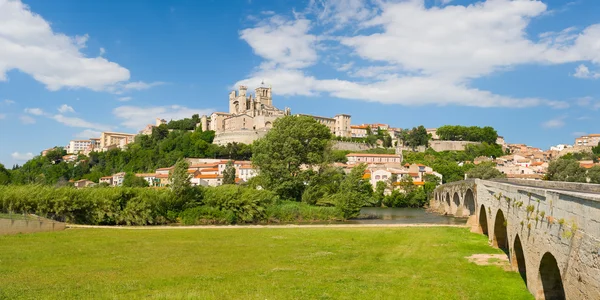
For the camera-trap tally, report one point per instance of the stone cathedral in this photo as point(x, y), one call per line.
point(251, 116)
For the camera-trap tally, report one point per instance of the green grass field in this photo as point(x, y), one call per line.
point(252, 263)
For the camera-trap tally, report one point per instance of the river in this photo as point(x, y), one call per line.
point(380, 215)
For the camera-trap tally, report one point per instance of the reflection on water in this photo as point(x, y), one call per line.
point(404, 216)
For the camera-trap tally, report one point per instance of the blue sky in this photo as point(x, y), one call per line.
point(70, 69)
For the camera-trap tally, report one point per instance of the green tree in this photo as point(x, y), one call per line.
point(4, 175)
point(355, 192)
point(417, 136)
point(179, 177)
point(293, 142)
point(379, 194)
point(131, 180)
point(229, 173)
point(596, 150)
point(594, 174)
point(566, 170)
point(485, 171)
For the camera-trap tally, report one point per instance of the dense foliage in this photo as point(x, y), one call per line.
point(294, 142)
point(415, 137)
point(568, 169)
point(160, 149)
point(464, 133)
point(485, 171)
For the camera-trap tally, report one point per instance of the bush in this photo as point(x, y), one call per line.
point(291, 211)
point(248, 205)
point(203, 215)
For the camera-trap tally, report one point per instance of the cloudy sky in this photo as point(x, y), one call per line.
point(70, 69)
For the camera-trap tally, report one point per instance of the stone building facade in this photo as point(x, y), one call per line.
point(251, 116)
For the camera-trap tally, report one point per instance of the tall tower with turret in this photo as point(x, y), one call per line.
point(263, 95)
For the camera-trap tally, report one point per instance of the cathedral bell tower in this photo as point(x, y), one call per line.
point(263, 95)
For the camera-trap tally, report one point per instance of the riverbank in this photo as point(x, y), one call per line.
point(267, 226)
point(380, 262)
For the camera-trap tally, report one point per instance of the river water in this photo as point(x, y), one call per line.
point(378, 215)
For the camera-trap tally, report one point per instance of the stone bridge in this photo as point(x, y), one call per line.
point(549, 230)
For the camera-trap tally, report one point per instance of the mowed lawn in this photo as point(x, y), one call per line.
point(253, 263)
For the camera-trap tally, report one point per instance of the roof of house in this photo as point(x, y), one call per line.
point(207, 165)
point(207, 176)
point(162, 176)
point(164, 169)
point(106, 177)
point(209, 170)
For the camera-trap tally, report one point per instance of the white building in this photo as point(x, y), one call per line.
point(560, 147)
point(79, 146)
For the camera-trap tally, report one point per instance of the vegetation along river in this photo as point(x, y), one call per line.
point(377, 215)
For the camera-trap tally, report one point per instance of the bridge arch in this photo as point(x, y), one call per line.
point(448, 198)
point(456, 202)
point(483, 223)
point(518, 259)
point(551, 281)
point(469, 201)
point(500, 232)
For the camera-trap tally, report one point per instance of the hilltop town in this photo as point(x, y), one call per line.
point(250, 117)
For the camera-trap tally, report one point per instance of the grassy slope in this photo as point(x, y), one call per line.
point(368, 263)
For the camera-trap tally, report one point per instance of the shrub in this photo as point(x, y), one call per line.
point(203, 215)
point(290, 211)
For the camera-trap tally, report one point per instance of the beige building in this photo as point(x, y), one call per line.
point(358, 131)
point(251, 116)
point(115, 139)
point(357, 158)
point(78, 146)
point(588, 140)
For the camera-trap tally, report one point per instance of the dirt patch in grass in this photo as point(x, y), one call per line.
point(500, 260)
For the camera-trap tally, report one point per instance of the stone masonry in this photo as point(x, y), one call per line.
point(550, 230)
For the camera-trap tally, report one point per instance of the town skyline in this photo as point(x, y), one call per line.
point(121, 80)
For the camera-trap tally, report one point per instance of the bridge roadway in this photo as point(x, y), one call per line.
point(549, 230)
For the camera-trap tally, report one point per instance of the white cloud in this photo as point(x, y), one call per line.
point(124, 99)
point(136, 117)
point(554, 123)
point(22, 156)
point(27, 120)
point(282, 42)
point(584, 72)
point(102, 51)
point(413, 54)
point(140, 85)
point(88, 133)
point(34, 111)
point(78, 122)
point(65, 109)
point(8, 102)
point(29, 44)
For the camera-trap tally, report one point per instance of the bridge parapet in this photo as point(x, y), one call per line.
point(550, 231)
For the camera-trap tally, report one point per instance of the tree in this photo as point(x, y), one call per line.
point(594, 174)
point(417, 136)
point(179, 178)
point(596, 150)
point(292, 143)
point(229, 173)
point(4, 175)
point(354, 193)
point(131, 180)
point(566, 170)
point(485, 171)
point(379, 194)
point(463, 133)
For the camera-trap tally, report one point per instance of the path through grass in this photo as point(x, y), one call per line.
point(247, 263)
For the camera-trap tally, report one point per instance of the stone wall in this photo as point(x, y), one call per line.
point(449, 145)
point(575, 149)
point(239, 136)
point(8, 226)
point(550, 230)
point(350, 146)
